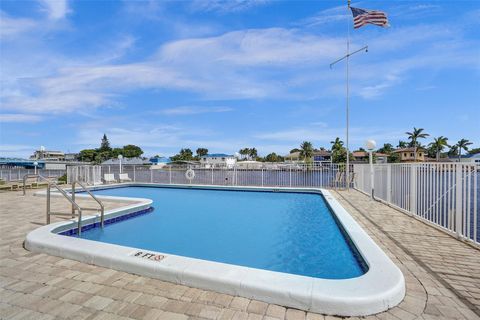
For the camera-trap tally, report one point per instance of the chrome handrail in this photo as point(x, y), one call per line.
point(25, 177)
point(70, 199)
point(102, 207)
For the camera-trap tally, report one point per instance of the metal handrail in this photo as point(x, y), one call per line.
point(102, 207)
point(70, 199)
point(25, 177)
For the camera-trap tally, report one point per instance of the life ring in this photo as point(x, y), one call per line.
point(190, 174)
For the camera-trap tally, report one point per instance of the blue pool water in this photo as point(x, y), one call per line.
point(286, 232)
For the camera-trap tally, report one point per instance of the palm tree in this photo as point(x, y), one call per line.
point(461, 145)
point(306, 150)
point(402, 144)
point(414, 136)
point(337, 144)
point(252, 153)
point(244, 152)
point(438, 144)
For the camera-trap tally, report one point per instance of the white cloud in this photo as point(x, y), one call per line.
point(16, 150)
point(11, 27)
point(330, 15)
point(55, 9)
point(191, 110)
point(18, 117)
point(245, 64)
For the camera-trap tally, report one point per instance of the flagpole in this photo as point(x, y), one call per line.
point(347, 58)
point(347, 176)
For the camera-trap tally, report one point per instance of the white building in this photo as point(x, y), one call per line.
point(43, 154)
point(218, 160)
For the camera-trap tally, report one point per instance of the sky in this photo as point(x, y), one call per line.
point(226, 75)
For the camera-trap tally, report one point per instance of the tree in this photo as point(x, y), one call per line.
point(459, 146)
point(340, 155)
point(244, 152)
point(273, 157)
point(115, 152)
point(105, 144)
point(306, 150)
point(132, 151)
point(184, 155)
point(438, 145)
point(402, 144)
point(474, 151)
point(387, 148)
point(201, 152)
point(337, 144)
point(294, 150)
point(102, 156)
point(253, 153)
point(87, 155)
point(413, 137)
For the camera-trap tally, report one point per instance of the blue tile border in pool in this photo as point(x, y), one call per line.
point(74, 231)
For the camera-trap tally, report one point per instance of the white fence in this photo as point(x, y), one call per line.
point(445, 194)
point(325, 175)
point(89, 174)
point(16, 174)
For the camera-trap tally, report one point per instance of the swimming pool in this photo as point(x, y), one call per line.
point(286, 232)
point(293, 247)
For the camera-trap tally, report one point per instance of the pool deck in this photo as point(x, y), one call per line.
point(442, 274)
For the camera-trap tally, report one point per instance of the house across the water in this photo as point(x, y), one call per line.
point(408, 154)
point(218, 160)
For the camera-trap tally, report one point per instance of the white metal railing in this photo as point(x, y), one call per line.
point(17, 174)
point(324, 175)
point(444, 194)
point(90, 175)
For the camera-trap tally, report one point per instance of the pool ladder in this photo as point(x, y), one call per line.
point(76, 209)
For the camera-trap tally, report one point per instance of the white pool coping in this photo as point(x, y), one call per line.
point(380, 288)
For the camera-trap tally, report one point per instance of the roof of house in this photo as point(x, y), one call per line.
point(474, 156)
point(159, 160)
point(295, 154)
point(409, 149)
point(218, 155)
point(322, 153)
point(126, 161)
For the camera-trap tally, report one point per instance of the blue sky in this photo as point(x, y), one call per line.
point(232, 74)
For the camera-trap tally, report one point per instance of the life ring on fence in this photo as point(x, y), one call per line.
point(190, 174)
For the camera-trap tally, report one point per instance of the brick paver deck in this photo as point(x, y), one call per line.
point(442, 275)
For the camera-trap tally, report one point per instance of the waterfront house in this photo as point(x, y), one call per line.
point(48, 155)
point(218, 160)
point(322, 155)
point(363, 156)
point(159, 162)
point(408, 154)
point(318, 156)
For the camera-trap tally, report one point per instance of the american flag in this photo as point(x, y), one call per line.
point(361, 17)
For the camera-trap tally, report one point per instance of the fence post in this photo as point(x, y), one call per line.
point(413, 188)
point(212, 175)
point(262, 177)
point(458, 200)
point(151, 175)
point(134, 179)
point(170, 174)
point(290, 167)
point(389, 183)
